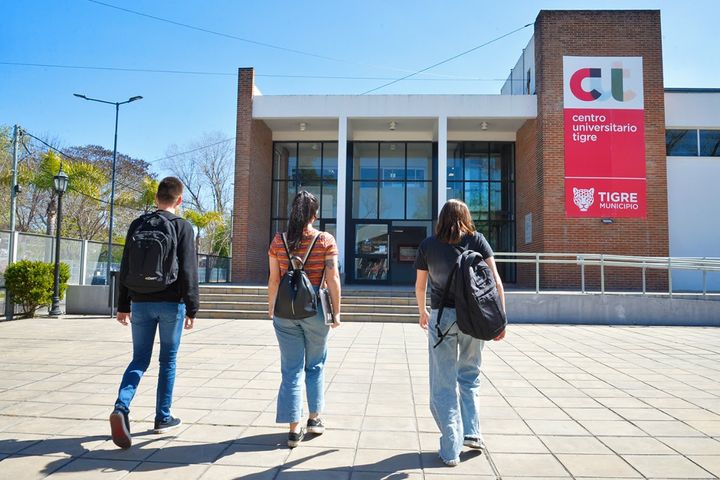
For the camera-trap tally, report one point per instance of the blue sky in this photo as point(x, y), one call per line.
point(369, 38)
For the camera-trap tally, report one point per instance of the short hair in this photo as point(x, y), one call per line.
point(454, 222)
point(169, 190)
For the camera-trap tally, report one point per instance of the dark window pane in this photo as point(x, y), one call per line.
point(419, 200)
point(365, 200)
point(476, 198)
point(331, 228)
point(476, 148)
point(454, 162)
point(371, 268)
point(371, 239)
point(365, 161)
point(681, 143)
point(285, 161)
point(496, 206)
point(392, 161)
point(419, 161)
point(476, 167)
point(283, 195)
point(710, 143)
point(330, 160)
point(392, 200)
point(309, 163)
point(278, 226)
point(328, 206)
point(455, 190)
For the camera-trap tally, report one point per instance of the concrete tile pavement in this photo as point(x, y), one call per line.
point(558, 402)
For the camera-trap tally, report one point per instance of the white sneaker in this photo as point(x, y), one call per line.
point(451, 463)
point(473, 442)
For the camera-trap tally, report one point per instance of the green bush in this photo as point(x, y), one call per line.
point(31, 284)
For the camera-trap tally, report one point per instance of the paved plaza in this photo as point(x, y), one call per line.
point(558, 402)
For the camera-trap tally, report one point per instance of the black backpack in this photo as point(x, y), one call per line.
point(478, 305)
point(296, 298)
point(152, 262)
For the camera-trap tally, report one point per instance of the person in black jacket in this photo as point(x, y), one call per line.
point(455, 362)
point(167, 311)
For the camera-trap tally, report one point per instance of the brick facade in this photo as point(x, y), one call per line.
point(252, 195)
point(540, 148)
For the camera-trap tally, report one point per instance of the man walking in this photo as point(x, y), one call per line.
point(158, 291)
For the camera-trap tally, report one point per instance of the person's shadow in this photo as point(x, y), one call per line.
point(394, 467)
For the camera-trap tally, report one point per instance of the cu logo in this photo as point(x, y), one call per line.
point(617, 76)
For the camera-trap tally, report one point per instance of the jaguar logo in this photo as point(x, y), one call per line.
point(583, 198)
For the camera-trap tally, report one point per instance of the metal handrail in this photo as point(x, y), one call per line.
point(668, 264)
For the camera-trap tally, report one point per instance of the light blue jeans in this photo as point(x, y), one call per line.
point(303, 351)
point(455, 362)
point(147, 317)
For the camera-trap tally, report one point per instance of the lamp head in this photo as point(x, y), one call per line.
point(61, 182)
point(132, 99)
point(80, 96)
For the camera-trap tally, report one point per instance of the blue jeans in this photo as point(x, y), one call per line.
point(303, 351)
point(455, 362)
point(145, 320)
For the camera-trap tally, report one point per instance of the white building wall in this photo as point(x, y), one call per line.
point(693, 186)
point(517, 82)
point(693, 216)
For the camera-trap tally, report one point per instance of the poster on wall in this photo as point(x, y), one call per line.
point(604, 137)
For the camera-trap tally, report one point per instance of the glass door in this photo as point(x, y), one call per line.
point(372, 253)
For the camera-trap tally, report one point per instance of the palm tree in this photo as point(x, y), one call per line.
point(83, 178)
point(202, 221)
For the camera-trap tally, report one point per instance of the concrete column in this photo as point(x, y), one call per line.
point(341, 189)
point(442, 162)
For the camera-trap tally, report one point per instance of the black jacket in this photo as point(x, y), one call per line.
point(185, 289)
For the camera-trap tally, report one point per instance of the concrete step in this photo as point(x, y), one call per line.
point(346, 316)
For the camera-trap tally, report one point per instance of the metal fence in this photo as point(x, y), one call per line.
point(88, 259)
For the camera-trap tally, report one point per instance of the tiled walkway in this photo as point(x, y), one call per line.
point(558, 402)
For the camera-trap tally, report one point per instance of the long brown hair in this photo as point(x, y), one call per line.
point(454, 222)
point(304, 209)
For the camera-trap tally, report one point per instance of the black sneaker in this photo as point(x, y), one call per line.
point(120, 429)
point(316, 426)
point(167, 425)
point(294, 438)
point(473, 442)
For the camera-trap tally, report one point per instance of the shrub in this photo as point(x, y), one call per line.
point(31, 284)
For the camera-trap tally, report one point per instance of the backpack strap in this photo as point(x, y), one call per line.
point(440, 334)
point(307, 254)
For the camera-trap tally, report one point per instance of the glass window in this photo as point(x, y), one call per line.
point(681, 143)
point(331, 228)
point(283, 194)
point(454, 162)
point(392, 161)
point(328, 204)
point(476, 167)
point(309, 168)
point(365, 161)
point(330, 161)
point(392, 200)
point(419, 161)
point(285, 160)
point(371, 239)
point(476, 198)
point(455, 190)
point(365, 200)
point(419, 200)
point(710, 143)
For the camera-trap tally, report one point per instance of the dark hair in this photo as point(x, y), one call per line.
point(169, 190)
point(304, 209)
point(454, 222)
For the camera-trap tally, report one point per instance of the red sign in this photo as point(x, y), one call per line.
point(604, 137)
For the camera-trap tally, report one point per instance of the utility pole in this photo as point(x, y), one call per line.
point(14, 188)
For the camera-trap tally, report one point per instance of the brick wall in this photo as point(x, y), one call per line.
point(252, 196)
point(540, 181)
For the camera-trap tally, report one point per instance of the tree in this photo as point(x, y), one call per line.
point(83, 178)
point(206, 170)
point(201, 221)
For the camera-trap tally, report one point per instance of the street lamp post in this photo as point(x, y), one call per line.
point(61, 182)
point(112, 181)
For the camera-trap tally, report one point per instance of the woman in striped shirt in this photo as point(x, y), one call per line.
point(303, 343)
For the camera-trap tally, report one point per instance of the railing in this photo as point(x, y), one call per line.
point(88, 259)
point(705, 266)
